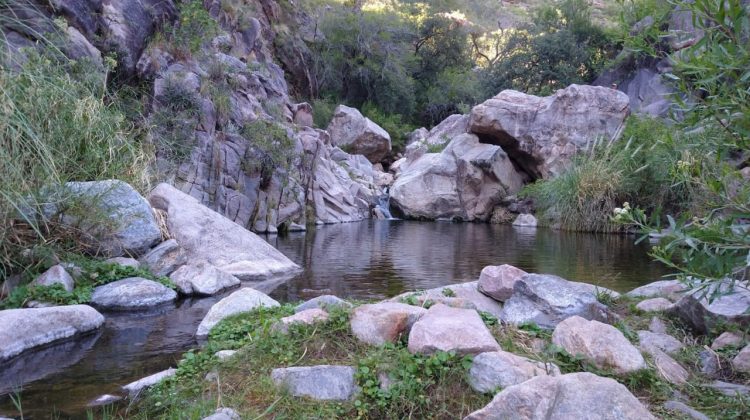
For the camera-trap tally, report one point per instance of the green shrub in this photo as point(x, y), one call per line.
point(394, 124)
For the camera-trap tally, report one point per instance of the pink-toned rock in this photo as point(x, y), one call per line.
point(667, 367)
point(741, 362)
point(383, 322)
point(309, 316)
point(654, 305)
point(444, 328)
point(497, 281)
point(727, 339)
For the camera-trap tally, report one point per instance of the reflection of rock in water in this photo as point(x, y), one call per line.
point(35, 365)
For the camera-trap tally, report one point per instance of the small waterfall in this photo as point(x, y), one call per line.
point(384, 205)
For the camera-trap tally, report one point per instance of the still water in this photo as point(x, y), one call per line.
point(367, 260)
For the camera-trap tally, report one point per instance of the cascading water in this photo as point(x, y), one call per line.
point(384, 204)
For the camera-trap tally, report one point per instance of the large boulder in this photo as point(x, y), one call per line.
point(202, 279)
point(131, 294)
point(358, 134)
point(702, 313)
point(324, 382)
point(208, 236)
point(542, 134)
point(499, 369)
point(165, 258)
point(581, 396)
point(672, 289)
point(546, 300)
point(444, 328)
point(23, 329)
point(465, 181)
point(243, 300)
point(55, 275)
point(459, 295)
point(384, 322)
point(601, 344)
point(497, 281)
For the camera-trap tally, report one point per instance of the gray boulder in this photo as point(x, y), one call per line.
point(580, 396)
point(663, 342)
point(654, 305)
point(23, 329)
point(499, 369)
point(55, 275)
point(324, 382)
point(350, 129)
point(730, 389)
point(202, 279)
point(459, 295)
point(727, 339)
point(672, 289)
point(444, 328)
point(323, 302)
point(165, 258)
point(124, 261)
point(243, 300)
point(497, 281)
point(741, 362)
point(208, 236)
point(134, 388)
point(132, 294)
point(384, 322)
point(224, 414)
point(685, 410)
point(728, 307)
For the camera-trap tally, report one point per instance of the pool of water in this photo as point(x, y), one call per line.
point(367, 260)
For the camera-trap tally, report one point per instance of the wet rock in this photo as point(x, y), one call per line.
point(730, 389)
point(324, 382)
point(601, 344)
point(323, 302)
point(202, 279)
point(573, 396)
point(359, 134)
point(134, 388)
point(654, 305)
point(729, 307)
point(547, 300)
point(384, 322)
point(673, 289)
point(243, 300)
point(741, 362)
point(308, 317)
point(657, 326)
point(499, 369)
point(663, 342)
point(124, 261)
point(23, 329)
point(685, 410)
point(55, 275)
point(224, 355)
point(224, 414)
point(727, 339)
point(444, 328)
point(525, 220)
point(165, 258)
point(497, 281)
point(105, 399)
point(131, 294)
point(461, 295)
point(208, 236)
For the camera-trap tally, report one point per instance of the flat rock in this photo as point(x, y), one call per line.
point(324, 382)
point(684, 409)
point(461, 295)
point(131, 294)
point(730, 389)
point(580, 396)
point(384, 322)
point(23, 329)
point(224, 355)
point(224, 414)
point(444, 328)
point(206, 235)
point(673, 289)
point(243, 300)
point(55, 275)
point(727, 339)
point(165, 258)
point(663, 342)
point(134, 388)
point(546, 300)
point(654, 305)
point(326, 302)
point(601, 344)
point(497, 281)
point(309, 317)
point(124, 261)
point(202, 278)
point(729, 307)
point(741, 362)
point(657, 326)
point(499, 369)
point(667, 367)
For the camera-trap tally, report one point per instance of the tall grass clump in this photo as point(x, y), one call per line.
point(57, 124)
point(635, 169)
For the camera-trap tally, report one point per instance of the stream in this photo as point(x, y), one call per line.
point(367, 260)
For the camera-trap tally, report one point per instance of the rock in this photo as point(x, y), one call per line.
point(601, 344)
point(727, 339)
point(497, 281)
point(324, 382)
point(208, 236)
point(224, 414)
point(731, 308)
point(129, 226)
point(55, 275)
point(525, 220)
point(663, 342)
point(165, 258)
point(547, 300)
point(202, 279)
point(23, 329)
point(131, 294)
point(359, 134)
point(709, 362)
point(460, 295)
point(582, 396)
point(684, 409)
point(730, 389)
point(741, 362)
point(657, 326)
point(326, 302)
point(308, 317)
point(243, 300)
point(224, 355)
point(499, 369)
point(124, 261)
point(654, 305)
point(667, 367)
point(672, 289)
point(384, 322)
point(134, 388)
point(542, 134)
point(444, 328)
point(303, 114)
point(465, 181)
point(105, 399)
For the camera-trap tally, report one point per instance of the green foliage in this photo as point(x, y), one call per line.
point(274, 147)
point(323, 111)
point(447, 292)
point(488, 319)
point(194, 27)
point(174, 121)
point(394, 124)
